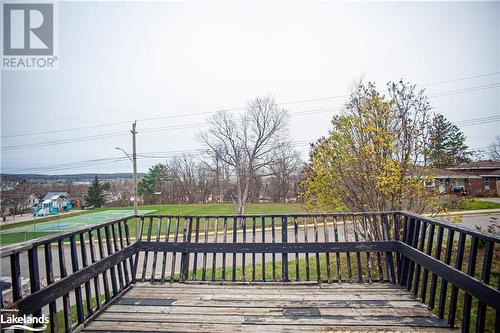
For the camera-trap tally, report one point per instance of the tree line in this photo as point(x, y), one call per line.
point(373, 158)
point(249, 158)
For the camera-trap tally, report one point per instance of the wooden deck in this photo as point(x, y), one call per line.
point(185, 307)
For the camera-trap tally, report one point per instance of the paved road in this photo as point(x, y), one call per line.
point(482, 220)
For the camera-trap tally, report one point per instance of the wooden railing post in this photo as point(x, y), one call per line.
point(284, 256)
point(186, 238)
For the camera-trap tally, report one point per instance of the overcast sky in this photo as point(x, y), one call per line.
point(126, 61)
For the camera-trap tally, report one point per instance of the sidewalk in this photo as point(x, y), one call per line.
point(470, 212)
point(29, 217)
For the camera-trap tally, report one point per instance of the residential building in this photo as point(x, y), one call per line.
point(447, 181)
point(488, 173)
point(56, 199)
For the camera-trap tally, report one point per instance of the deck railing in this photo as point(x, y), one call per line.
point(69, 277)
point(424, 255)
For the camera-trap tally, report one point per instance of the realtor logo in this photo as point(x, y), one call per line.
point(29, 31)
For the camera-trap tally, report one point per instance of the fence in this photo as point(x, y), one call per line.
point(424, 255)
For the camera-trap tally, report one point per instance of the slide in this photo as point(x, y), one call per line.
point(68, 206)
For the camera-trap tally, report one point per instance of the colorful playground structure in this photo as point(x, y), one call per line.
point(53, 203)
point(46, 209)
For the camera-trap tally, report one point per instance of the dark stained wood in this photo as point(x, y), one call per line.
point(67, 283)
point(112, 270)
point(273, 239)
point(444, 282)
point(437, 256)
point(325, 235)
point(196, 240)
point(316, 240)
point(454, 290)
point(263, 231)
point(164, 260)
point(320, 247)
point(348, 254)
point(471, 269)
point(337, 255)
point(378, 235)
point(122, 246)
point(284, 256)
point(204, 265)
point(214, 255)
point(358, 254)
point(88, 291)
point(93, 260)
point(186, 238)
point(485, 278)
point(267, 308)
point(233, 267)
point(105, 272)
point(243, 259)
point(155, 254)
point(296, 240)
point(65, 296)
point(146, 254)
point(254, 222)
point(78, 290)
point(34, 273)
point(174, 254)
point(428, 251)
point(49, 271)
point(308, 274)
point(489, 295)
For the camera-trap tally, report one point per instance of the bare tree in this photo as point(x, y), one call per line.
point(284, 168)
point(494, 149)
point(247, 143)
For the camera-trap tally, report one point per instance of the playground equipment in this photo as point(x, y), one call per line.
point(68, 206)
point(46, 208)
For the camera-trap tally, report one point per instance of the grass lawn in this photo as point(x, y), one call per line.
point(179, 209)
point(477, 205)
point(223, 208)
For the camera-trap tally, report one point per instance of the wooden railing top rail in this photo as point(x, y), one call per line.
point(271, 215)
point(455, 227)
point(24, 246)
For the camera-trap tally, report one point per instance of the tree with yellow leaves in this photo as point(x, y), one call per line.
point(373, 156)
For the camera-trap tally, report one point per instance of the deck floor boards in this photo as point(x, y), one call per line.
point(287, 307)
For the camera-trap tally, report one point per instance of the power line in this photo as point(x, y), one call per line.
point(229, 109)
point(144, 155)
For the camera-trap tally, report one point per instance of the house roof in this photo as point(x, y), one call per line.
point(490, 173)
point(479, 165)
point(445, 174)
point(55, 195)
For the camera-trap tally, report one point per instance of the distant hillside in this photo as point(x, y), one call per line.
point(74, 178)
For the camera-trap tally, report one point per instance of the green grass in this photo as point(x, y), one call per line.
point(223, 208)
point(177, 209)
point(477, 205)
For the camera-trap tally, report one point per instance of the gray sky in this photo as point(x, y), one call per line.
point(126, 61)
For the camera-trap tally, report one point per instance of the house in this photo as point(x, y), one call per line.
point(488, 173)
point(15, 203)
point(56, 199)
point(447, 181)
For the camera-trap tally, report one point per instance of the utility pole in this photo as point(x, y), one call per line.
point(133, 159)
point(134, 162)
